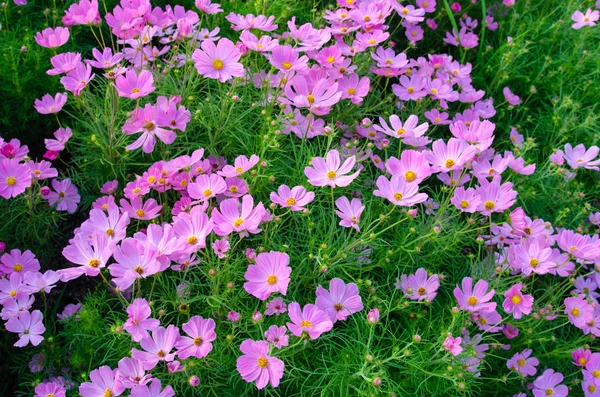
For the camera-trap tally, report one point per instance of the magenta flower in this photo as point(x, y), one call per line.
point(287, 59)
point(354, 89)
point(510, 97)
point(193, 229)
point(310, 320)
point(277, 336)
point(256, 364)
point(158, 347)
point(547, 384)
point(580, 157)
point(329, 172)
point(16, 261)
point(588, 19)
point(133, 261)
point(48, 104)
point(523, 364)
point(451, 156)
point(412, 166)
point(349, 212)
point(64, 196)
point(133, 85)
point(206, 187)
point(220, 248)
point(83, 13)
point(517, 303)
point(91, 258)
point(52, 38)
point(64, 63)
point(397, 129)
point(219, 61)
point(340, 301)
point(276, 306)
point(29, 326)
point(46, 389)
point(373, 316)
point(474, 299)
point(466, 200)
point(104, 59)
point(231, 217)
point(42, 170)
point(147, 121)
point(15, 178)
point(581, 357)
point(62, 136)
point(240, 165)
point(200, 333)
point(208, 7)
point(78, 78)
point(399, 191)
point(104, 382)
point(294, 199)
point(139, 322)
point(270, 274)
point(420, 286)
point(131, 373)
point(495, 197)
point(579, 311)
point(136, 209)
point(452, 345)
point(154, 390)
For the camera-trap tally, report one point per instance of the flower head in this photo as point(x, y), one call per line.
point(256, 364)
point(270, 274)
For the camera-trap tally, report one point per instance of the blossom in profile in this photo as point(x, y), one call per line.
point(15, 178)
point(208, 7)
point(249, 21)
point(154, 390)
point(399, 191)
point(256, 365)
point(104, 382)
point(139, 322)
point(49, 104)
point(240, 165)
point(340, 301)
point(85, 12)
point(329, 172)
point(453, 345)
point(420, 286)
point(220, 61)
point(295, 199)
point(349, 212)
point(52, 38)
point(277, 336)
point(65, 196)
point(474, 299)
point(132, 85)
point(548, 384)
point(588, 19)
point(579, 157)
point(310, 320)
point(157, 347)
point(29, 326)
point(46, 389)
point(511, 98)
point(78, 78)
point(523, 364)
point(270, 274)
point(199, 333)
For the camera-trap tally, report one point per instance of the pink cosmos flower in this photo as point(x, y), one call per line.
point(91, 258)
point(580, 157)
point(399, 191)
point(104, 382)
point(219, 61)
point(240, 165)
point(112, 223)
point(133, 261)
point(277, 336)
point(495, 197)
point(232, 217)
point(148, 121)
point(52, 38)
point(354, 89)
point(310, 319)
point(64, 63)
point(200, 333)
point(46, 389)
point(139, 322)
point(474, 299)
point(15, 178)
point(12, 288)
point(420, 286)
point(110, 187)
point(591, 371)
point(547, 384)
point(206, 187)
point(104, 59)
point(62, 136)
point(452, 345)
point(133, 85)
point(83, 13)
point(294, 199)
point(256, 364)
point(270, 274)
point(318, 97)
point(329, 172)
point(523, 364)
point(69, 310)
point(451, 156)
point(137, 209)
point(208, 7)
point(340, 301)
point(37, 282)
point(581, 357)
point(517, 303)
point(64, 196)
point(249, 21)
point(78, 78)
point(287, 59)
point(29, 326)
point(154, 390)
point(158, 347)
point(510, 97)
point(533, 255)
point(412, 166)
point(588, 19)
point(579, 311)
point(131, 373)
point(276, 306)
point(466, 200)
point(264, 44)
point(193, 229)
point(220, 248)
point(16, 261)
point(48, 104)
point(349, 212)
point(408, 131)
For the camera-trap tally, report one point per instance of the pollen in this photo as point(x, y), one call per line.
point(389, 62)
point(410, 176)
point(140, 213)
point(13, 293)
point(238, 222)
point(489, 205)
point(192, 240)
point(449, 163)
point(286, 65)
point(110, 232)
point(400, 131)
point(290, 201)
point(582, 360)
point(198, 341)
point(421, 291)
point(272, 279)
point(434, 91)
point(437, 120)
point(331, 174)
point(330, 59)
point(410, 90)
point(338, 307)
point(139, 270)
point(239, 170)
point(534, 262)
point(516, 299)
point(233, 189)
point(472, 300)
point(527, 230)
point(151, 179)
point(371, 41)
point(218, 64)
point(161, 354)
point(404, 11)
point(596, 373)
point(94, 263)
point(207, 193)
point(549, 392)
point(464, 204)
point(521, 362)
point(136, 190)
point(17, 267)
point(575, 312)
point(310, 99)
point(351, 91)
point(306, 323)
point(107, 393)
point(398, 196)
point(262, 362)
point(135, 90)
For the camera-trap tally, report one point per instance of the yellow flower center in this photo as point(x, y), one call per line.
point(290, 201)
point(107, 393)
point(272, 279)
point(464, 204)
point(197, 341)
point(218, 64)
point(135, 90)
point(400, 131)
point(13, 293)
point(351, 91)
point(549, 392)
point(410, 176)
point(371, 41)
point(310, 99)
point(192, 240)
point(17, 267)
point(404, 11)
point(592, 388)
point(330, 59)
point(151, 179)
point(94, 263)
point(398, 196)
point(410, 90)
point(238, 222)
point(286, 65)
point(421, 291)
point(139, 270)
point(110, 232)
point(472, 300)
point(521, 362)
point(434, 91)
point(207, 192)
point(140, 213)
point(516, 299)
point(596, 373)
point(582, 361)
point(489, 205)
point(449, 163)
point(534, 262)
point(331, 174)
point(233, 189)
point(262, 362)
point(306, 323)
point(239, 170)
point(161, 354)
point(575, 312)
point(11, 181)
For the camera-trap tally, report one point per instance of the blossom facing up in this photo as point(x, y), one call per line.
point(132, 85)
point(399, 191)
point(516, 302)
point(453, 345)
point(200, 333)
point(15, 178)
point(295, 198)
point(420, 286)
point(588, 19)
point(157, 347)
point(523, 364)
point(548, 384)
point(474, 298)
point(277, 336)
point(49, 104)
point(29, 326)
point(104, 382)
point(256, 365)
point(340, 301)
point(218, 61)
point(329, 172)
point(270, 274)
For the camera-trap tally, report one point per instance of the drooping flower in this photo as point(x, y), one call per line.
point(219, 61)
point(340, 301)
point(49, 104)
point(52, 38)
point(474, 299)
point(200, 333)
point(104, 382)
point(310, 319)
point(579, 157)
point(270, 274)
point(256, 364)
point(349, 212)
point(29, 326)
point(510, 97)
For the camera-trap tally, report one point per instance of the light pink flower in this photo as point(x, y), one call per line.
point(158, 347)
point(294, 199)
point(329, 172)
point(399, 191)
point(29, 326)
point(132, 85)
point(200, 333)
point(588, 19)
point(310, 319)
point(270, 274)
point(256, 364)
point(104, 382)
point(219, 61)
point(48, 104)
point(340, 301)
point(52, 38)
